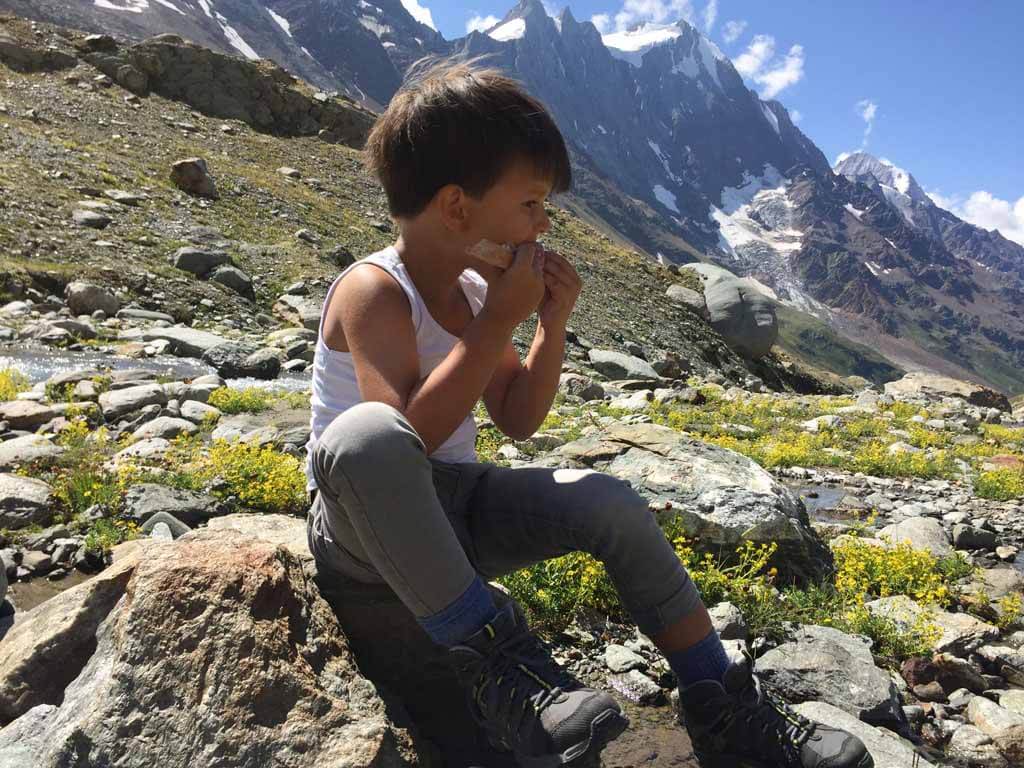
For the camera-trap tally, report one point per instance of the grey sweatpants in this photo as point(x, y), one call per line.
point(386, 513)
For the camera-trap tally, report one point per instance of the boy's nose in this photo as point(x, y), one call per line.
point(544, 224)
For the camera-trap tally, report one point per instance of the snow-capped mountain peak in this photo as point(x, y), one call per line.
point(631, 45)
point(861, 166)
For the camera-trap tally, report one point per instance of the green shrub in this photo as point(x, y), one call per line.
point(1000, 484)
point(107, 533)
point(864, 569)
point(248, 400)
point(260, 477)
point(11, 383)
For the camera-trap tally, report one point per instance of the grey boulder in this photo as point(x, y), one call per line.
point(84, 298)
point(144, 500)
point(25, 449)
point(232, 277)
point(239, 359)
point(744, 317)
point(198, 261)
point(824, 664)
point(617, 365)
point(116, 403)
point(24, 501)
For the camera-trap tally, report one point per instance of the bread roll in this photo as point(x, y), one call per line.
point(492, 253)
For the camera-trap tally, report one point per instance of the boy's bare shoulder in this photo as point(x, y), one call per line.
point(366, 300)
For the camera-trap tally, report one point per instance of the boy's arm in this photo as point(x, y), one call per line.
point(519, 397)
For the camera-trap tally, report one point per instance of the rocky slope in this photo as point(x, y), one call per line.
point(956, 695)
point(285, 211)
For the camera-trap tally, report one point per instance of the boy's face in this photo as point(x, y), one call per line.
point(512, 211)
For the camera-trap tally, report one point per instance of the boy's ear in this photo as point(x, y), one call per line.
point(454, 206)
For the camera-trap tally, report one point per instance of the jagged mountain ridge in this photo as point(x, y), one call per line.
point(965, 240)
point(678, 157)
point(350, 46)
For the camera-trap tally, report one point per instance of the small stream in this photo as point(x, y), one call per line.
point(40, 363)
point(821, 502)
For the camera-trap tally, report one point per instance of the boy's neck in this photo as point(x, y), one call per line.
point(434, 269)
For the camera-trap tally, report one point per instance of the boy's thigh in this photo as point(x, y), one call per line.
point(333, 540)
point(521, 516)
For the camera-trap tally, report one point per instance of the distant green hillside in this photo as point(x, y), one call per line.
point(811, 341)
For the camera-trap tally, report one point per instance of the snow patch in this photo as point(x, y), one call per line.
point(510, 30)
point(756, 229)
point(665, 197)
point(388, 44)
point(855, 211)
point(205, 5)
point(733, 198)
point(132, 6)
point(236, 40)
point(770, 116)
point(374, 26)
point(601, 128)
point(642, 38)
point(664, 161)
point(872, 267)
point(900, 201)
point(282, 22)
point(172, 6)
point(306, 51)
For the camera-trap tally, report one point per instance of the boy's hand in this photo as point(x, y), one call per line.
point(562, 286)
point(514, 294)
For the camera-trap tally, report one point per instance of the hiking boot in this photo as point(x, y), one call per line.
point(740, 723)
point(526, 703)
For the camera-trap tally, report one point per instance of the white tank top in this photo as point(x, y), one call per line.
point(335, 388)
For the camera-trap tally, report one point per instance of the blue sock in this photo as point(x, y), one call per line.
point(463, 618)
point(706, 660)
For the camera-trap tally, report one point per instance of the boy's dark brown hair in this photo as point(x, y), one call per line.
point(455, 122)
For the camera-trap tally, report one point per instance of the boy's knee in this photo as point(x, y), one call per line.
point(617, 505)
point(370, 433)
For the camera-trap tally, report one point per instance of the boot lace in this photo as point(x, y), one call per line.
point(776, 720)
point(519, 659)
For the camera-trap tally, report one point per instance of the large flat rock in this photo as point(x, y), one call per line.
point(721, 498)
point(211, 651)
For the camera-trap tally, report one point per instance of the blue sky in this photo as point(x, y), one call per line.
point(936, 88)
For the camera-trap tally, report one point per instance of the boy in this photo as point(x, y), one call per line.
point(407, 346)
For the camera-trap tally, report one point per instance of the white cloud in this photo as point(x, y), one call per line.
point(840, 157)
point(602, 21)
point(480, 23)
point(419, 12)
point(867, 110)
point(710, 14)
point(985, 210)
point(750, 62)
point(789, 72)
point(659, 11)
point(796, 115)
point(774, 75)
point(732, 30)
